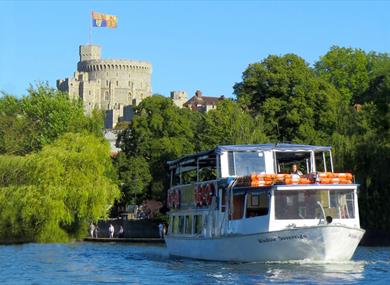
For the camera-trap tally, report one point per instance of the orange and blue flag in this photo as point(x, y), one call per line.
point(104, 20)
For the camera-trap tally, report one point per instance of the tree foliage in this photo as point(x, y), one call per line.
point(159, 131)
point(229, 124)
point(297, 105)
point(53, 194)
point(29, 123)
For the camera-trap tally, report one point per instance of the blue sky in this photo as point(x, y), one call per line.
point(192, 45)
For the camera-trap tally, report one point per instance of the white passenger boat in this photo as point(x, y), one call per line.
point(240, 203)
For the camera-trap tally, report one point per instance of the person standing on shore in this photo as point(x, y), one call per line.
point(120, 233)
point(96, 231)
point(111, 230)
point(92, 229)
point(161, 230)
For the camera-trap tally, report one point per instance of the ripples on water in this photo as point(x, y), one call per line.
point(92, 263)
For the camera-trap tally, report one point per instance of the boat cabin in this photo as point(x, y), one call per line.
point(244, 189)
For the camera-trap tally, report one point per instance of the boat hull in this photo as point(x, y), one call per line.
point(319, 243)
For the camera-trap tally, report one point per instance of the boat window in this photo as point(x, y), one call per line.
point(189, 176)
point(175, 225)
point(207, 173)
point(170, 228)
point(257, 205)
point(243, 163)
point(238, 207)
point(223, 200)
point(198, 221)
point(303, 204)
point(285, 161)
point(181, 224)
point(188, 226)
point(320, 164)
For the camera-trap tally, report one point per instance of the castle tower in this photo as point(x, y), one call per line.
point(89, 52)
point(179, 98)
point(108, 84)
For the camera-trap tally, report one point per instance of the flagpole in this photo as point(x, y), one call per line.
point(90, 31)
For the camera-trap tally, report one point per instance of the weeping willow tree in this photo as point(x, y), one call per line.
point(52, 195)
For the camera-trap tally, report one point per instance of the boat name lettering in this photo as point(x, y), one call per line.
point(277, 238)
point(353, 236)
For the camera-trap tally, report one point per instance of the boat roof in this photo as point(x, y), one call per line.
point(282, 147)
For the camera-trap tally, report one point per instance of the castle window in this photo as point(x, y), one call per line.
point(89, 92)
point(106, 82)
point(129, 83)
point(106, 96)
point(117, 83)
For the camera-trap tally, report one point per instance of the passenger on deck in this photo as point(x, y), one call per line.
point(295, 170)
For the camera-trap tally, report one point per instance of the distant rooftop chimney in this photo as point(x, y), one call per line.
point(198, 93)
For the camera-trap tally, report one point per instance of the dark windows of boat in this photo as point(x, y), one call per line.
point(339, 204)
point(188, 225)
point(285, 161)
point(198, 221)
point(175, 225)
point(195, 169)
point(189, 176)
point(223, 200)
point(323, 162)
point(238, 207)
point(170, 227)
point(181, 225)
point(207, 174)
point(243, 163)
point(257, 205)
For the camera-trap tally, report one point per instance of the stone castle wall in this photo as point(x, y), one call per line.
point(108, 84)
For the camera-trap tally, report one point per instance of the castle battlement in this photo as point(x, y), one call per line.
point(114, 65)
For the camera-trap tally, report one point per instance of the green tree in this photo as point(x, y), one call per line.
point(29, 123)
point(347, 69)
point(53, 194)
point(297, 105)
point(134, 177)
point(229, 124)
point(159, 131)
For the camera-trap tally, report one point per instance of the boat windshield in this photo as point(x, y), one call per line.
point(303, 204)
point(243, 163)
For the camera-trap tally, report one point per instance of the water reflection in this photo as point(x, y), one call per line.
point(277, 273)
point(144, 264)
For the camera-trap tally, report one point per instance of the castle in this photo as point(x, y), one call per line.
point(112, 85)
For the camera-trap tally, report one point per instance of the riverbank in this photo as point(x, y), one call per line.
point(126, 240)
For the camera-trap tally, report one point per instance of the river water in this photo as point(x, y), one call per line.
point(111, 263)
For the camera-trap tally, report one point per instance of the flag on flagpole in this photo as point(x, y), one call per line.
point(104, 20)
